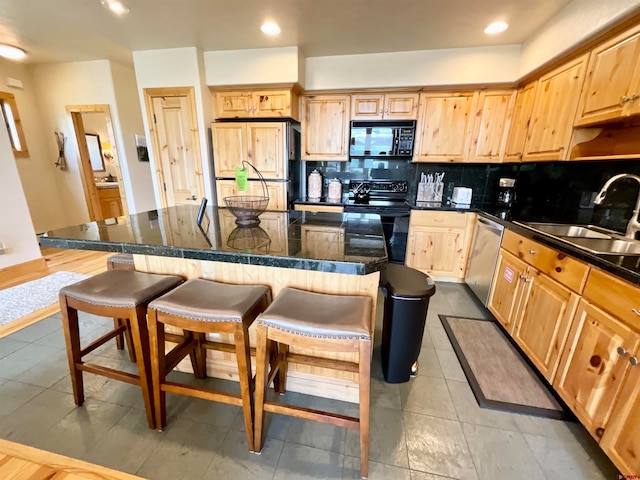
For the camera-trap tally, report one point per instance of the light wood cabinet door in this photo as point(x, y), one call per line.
point(110, 202)
point(271, 103)
point(323, 242)
point(266, 103)
point(234, 104)
point(507, 289)
point(543, 321)
point(319, 208)
point(436, 251)
point(229, 148)
point(266, 149)
point(367, 107)
point(401, 106)
point(443, 127)
point(325, 127)
point(591, 369)
point(490, 125)
point(610, 83)
point(520, 123)
point(277, 192)
point(554, 112)
point(621, 439)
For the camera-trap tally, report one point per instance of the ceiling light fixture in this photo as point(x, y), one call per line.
point(270, 28)
point(115, 6)
point(496, 27)
point(11, 52)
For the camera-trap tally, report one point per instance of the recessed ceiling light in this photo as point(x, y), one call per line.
point(115, 6)
point(496, 27)
point(11, 52)
point(270, 28)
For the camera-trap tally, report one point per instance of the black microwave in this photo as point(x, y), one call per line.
point(382, 139)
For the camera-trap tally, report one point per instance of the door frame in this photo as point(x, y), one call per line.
point(162, 92)
point(84, 162)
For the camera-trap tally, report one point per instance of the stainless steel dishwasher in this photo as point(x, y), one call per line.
point(483, 257)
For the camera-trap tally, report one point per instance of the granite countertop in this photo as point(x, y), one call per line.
point(279, 242)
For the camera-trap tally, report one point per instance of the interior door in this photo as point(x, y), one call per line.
point(178, 160)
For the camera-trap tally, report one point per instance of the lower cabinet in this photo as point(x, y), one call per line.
point(439, 243)
point(110, 202)
point(277, 192)
point(319, 208)
point(324, 242)
point(507, 289)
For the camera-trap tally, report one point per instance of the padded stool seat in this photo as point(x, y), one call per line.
point(199, 307)
point(122, 261)
point(123, 295)
point(314, 321)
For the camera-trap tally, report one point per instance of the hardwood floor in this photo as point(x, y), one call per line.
point(79, 261)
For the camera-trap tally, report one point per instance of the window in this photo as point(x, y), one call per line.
point(10, 117)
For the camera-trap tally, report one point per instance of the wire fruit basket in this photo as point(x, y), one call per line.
point(247, 208)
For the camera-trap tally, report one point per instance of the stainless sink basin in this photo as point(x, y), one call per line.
point(608, 247)
point(564, 230)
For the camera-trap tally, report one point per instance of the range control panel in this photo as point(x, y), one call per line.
point(379, 187)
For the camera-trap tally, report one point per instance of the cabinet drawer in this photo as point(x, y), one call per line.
point(615, 296)
point(438, 219)
point(559, 266)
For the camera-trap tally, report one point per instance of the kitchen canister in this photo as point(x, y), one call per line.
point(335, 190)
point(315, 185)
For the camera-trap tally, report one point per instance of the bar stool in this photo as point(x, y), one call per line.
point(199, 307)
point(121, 261)
point(314, 321)
point(121, 294)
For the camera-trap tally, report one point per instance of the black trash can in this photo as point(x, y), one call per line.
point(406, 300)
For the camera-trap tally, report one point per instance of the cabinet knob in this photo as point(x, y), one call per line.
point(634, 97)
point(621, 351)
point(599, 432)
point(386, 110)
point(624, 99)
point(633, 361)
point(521, 277)
point(527, 279)
point(380, 111)
point(248, 109)
point(532, 252)
point(255, 108)
point(636, 311)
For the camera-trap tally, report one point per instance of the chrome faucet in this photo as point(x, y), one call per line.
point(633, 226)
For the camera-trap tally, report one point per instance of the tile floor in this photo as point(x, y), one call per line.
point(427, 429)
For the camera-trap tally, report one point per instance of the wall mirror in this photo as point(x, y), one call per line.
point(95, 152)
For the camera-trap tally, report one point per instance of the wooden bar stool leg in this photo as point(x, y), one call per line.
point(140, 335)
point(158, 368)
point(243, 357)
point(117, 322)
point(280, 381)
point(199, 356)
point(129, 339)
point(262, 370)
point(364, 388)
point(72, 340)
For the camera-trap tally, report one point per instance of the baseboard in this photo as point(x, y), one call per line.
point(37, 266)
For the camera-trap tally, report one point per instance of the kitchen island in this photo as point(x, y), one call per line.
point(335, 253)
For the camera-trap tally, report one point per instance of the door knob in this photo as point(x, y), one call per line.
point(192, 197)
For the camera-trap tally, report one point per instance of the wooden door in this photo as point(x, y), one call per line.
point(443, 123)
point(325, 127)
point(491, 125)
point(110, 203)
point(323, 241)
point(401, 106)
point(542, 325)
point(621, 439)
point(367, 107)
point(266, 149)
point(174, 132)
point(234, 104)
point(229, 148)
point(554, 111)
point(271, 103)
point(507, 289)
point(86, 170)
point(520, 123)
point(436, 251)
point(591, 370)
point(606, 90)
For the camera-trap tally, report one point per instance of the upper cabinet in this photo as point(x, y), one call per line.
point(443, 130)
point(262, 103)
point(325, 127)
point(387, 106)
point(612, 86)
point(554, 109)
point(490, 125)
point(260, 143)
point(520, 123)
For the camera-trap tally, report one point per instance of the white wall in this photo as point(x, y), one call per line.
point(137, 177)
point(246, 67)
point(456, 66)
point(574, 23)
point(16, 229)
point(177, 67)
point(37, 172)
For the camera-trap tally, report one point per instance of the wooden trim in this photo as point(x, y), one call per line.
point(417, 88)
point(294, 87)
point(11, 100)
point(37, 266)
point(86, 171)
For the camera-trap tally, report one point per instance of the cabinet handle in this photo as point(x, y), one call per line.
point(633, 361)
point(636, 311)
point(438, 220)
point(624, 99)
point(380, 111)
point(527, 279)
point(522, 277)
point(192, 197)
point(621, 351)
point(532, 252)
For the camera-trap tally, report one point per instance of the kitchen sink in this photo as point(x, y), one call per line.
point(588, 237)
point(568, 230)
